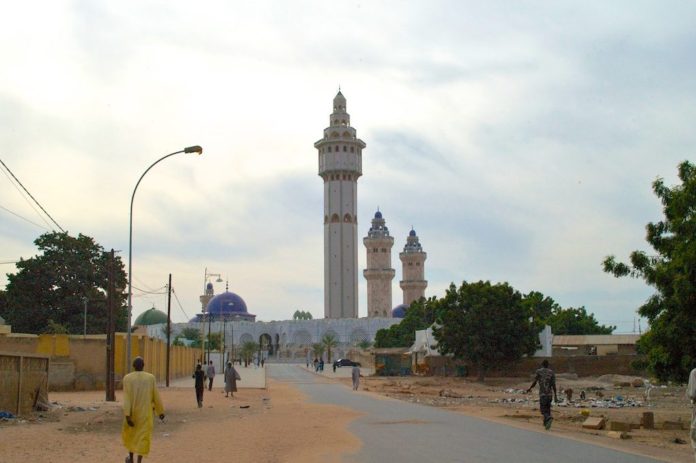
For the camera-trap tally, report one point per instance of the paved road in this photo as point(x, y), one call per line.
point(394, 431)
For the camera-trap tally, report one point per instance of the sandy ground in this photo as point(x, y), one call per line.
point(267, 431)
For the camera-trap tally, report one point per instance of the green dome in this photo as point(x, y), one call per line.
point(151, 317)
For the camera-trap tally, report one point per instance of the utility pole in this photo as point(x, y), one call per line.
point(169, 323)
point(110, 332)
point(84, 329)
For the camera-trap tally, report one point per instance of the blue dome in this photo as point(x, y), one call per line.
point(226, 304)
point(412, 233)
point(399, 311)
point(209, 285)
point(378, 215)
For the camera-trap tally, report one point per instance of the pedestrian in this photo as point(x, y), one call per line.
point(321, 364)
point(199, 376)
point(210, 373)
point(355, 375)
point(547, 384)
point(691, 395)
point(140, 398)
point(334, 366)
point(231, 378)
point(316, 364)
point(263, 360)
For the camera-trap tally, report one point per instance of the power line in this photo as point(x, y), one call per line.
point(27, 191)
point(179, 302)
point(24, 197)
point(154, 291)
point(23, 218)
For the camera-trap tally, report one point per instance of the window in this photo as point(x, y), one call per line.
point(384, 249)
point(345, 148)
point(417, 264)
point(374, 249)
point(329, 149)
point(410, 264)
point(352, 149)
point(337, 148)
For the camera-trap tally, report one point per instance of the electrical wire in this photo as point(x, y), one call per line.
point(27, 191)
point(23, 218)
point(179, 302)
point(24, 197)
point(155, 291)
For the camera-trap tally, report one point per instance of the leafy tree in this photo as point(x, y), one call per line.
point(485, 324)
point(318, 349)
point(55, 328)
point(52, 285)
point(364, 344)
point(247, 351)
point(215, 341)
point(329, 341)
point(419, 316)
point(193, 335)
point(301, 315)
point(670, 343)
point(562, 321)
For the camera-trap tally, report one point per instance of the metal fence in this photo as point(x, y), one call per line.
point(23, 382)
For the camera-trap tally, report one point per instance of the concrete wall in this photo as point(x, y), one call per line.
point(79, 363)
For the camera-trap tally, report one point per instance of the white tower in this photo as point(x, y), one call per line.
point(413, 270)
point(340, 165)
point(379, 274)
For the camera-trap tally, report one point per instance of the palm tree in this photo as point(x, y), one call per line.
point(247, 351)
point(329, 341)
point(318, 349)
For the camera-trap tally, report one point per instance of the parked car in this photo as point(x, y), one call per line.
point(346, 363)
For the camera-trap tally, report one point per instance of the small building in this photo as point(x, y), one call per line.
point(594, 344)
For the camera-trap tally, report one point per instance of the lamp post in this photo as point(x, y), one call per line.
point(191, 149)
point(84, 329)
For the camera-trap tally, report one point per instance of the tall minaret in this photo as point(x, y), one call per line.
point(379, 274)
point(340, 165)
point(413, 273)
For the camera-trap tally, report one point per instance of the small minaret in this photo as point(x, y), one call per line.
point(379, 274)
point(413, 273)
point(340, 165)
point(205, 298)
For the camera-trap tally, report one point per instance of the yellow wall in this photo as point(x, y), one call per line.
point(88, 354)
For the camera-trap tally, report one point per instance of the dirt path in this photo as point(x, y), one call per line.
point(278, 426)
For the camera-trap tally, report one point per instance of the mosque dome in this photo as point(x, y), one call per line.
point(151, 317)
point(226, 303)
point(378, 215)
point(412, 233)
point(209, 285)
point(399, 311)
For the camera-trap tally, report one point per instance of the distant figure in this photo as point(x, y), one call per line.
point(262, 362)
point(691, 395)
point(582, 395)
point(140, 398)
point(210, 373)
point(321, 364)
point(569, 394)
point(334, 367)
point(316, 364)
point(199, 376)
point(547, 383)
point(355, 375)
point(231, 378)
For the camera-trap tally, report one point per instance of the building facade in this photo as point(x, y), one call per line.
point(413, 269)
point(379, 272)
point(340, 166)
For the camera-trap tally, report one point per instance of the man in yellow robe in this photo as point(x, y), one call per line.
point(140, 397)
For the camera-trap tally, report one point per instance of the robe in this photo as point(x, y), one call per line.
point(140, 397)
point(691, 394)
point(231, 377)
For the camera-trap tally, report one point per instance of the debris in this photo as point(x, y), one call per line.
point(618, 435)
point(244, 406)
point(677, 440)
point(6, 416)
point(638, 382)
point(585, 412)
point(594, 423)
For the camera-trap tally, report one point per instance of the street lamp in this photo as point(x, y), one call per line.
point(191, 149)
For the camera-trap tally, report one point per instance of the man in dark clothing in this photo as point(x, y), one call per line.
point(547, 384)
point(210, 373)
point(199, 376)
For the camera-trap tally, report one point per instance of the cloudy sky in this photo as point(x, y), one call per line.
point(519, 139)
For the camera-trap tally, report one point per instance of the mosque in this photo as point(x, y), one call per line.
point(340, 166)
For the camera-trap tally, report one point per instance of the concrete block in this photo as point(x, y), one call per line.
point(594, 422)
point(647, 421)
point(617, 435)
point(619, 426)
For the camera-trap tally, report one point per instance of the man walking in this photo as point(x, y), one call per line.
point(199, 384)
point(547, 384)
point(231, 378)
point(140, 397)
point(691, 395)
point(210, 373)
point(355, 375)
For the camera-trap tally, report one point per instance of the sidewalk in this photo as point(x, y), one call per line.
point(252, 378)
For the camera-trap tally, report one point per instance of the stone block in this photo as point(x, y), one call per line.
point(647, 421)
point(617, 435)
point(619, 426)
point(594, 422)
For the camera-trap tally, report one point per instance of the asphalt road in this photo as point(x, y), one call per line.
point(393, 431)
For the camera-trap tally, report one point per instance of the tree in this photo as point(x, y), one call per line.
point(318, 349)
point(670, 343)
point(215, 340)
point(364, 344)
point(562, 321)
point(193, 335)
point(419, 316)
point(329, 341)
point(52, 285)
point(247, 351)
point(485, 324)
point(301, 315)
